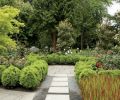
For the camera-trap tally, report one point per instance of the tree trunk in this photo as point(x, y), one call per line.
point(81, 44)
point(54, 41)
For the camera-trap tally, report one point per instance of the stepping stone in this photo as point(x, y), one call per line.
point(57, 97)
point(60, 75)
point(59, 83)
point(60, 79)
point(58, 90)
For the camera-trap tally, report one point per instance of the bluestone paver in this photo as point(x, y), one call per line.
point(58, 90)
point(59, 84)
point(57, 97)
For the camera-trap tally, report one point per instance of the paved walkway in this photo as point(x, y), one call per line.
point(16, 94)
point(60, 84)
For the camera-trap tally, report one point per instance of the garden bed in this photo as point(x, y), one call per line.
point(29, 76)
point(96, 82)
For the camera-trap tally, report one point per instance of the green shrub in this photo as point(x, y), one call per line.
point(50, 59)
point(75, 58)
point(110, 72)
point(29, 77)
point(110, 61)
point(62, 59)
point(2, 68)
point(42, 67)
point(80, 66)
point(69, 59)
point(38, 68)
point(56, 59)
point(10, 76)
point(3, 50)
point(84, 58)
point(87, 73)
point(32, 58)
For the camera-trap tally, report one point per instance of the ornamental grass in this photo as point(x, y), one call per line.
point(100, 87)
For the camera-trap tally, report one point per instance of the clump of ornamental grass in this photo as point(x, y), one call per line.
point(100, 87)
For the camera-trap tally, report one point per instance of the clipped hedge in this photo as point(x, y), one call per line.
point(32, 75)
point(2, 68)
point(31, 58)
point(10, 76)
point(29, 77)
point(42, 67)
point(69, 59)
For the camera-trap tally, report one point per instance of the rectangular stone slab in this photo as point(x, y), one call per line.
point(59, 83)
point(60, 75)
point(60, 79)
point(57, 97)
point(58, 90)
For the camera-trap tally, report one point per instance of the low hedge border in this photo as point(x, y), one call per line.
point(69, 59)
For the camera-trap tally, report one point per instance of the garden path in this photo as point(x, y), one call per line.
point(60, 84)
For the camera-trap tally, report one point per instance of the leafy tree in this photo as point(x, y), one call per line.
point(116, 27)
point(48, 14)
point(87, 14)
point(109, 32)
point(8, 25)
point(66, 35)
point(14, 3)
point(105, 36)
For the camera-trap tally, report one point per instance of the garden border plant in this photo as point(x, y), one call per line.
point(97, 81)
point(30, 76)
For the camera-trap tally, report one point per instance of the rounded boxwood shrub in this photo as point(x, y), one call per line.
point(29, 77)
point(87, 73)
point(32, 58)
point(2, 68)
point(10, 76)
point(44, 67)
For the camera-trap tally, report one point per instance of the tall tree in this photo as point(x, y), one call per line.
point(66, 35)
point(87, 14)
point(48, 14)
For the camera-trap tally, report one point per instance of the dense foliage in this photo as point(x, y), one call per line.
point(10, 77)
point(2, 68)
point(43, 19)
point(110, 61)
point(69, 59)
point(8, 25)
point(96, 82)
point(28, 76)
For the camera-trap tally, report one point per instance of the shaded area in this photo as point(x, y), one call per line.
point(43, 90)
point(74, 89)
